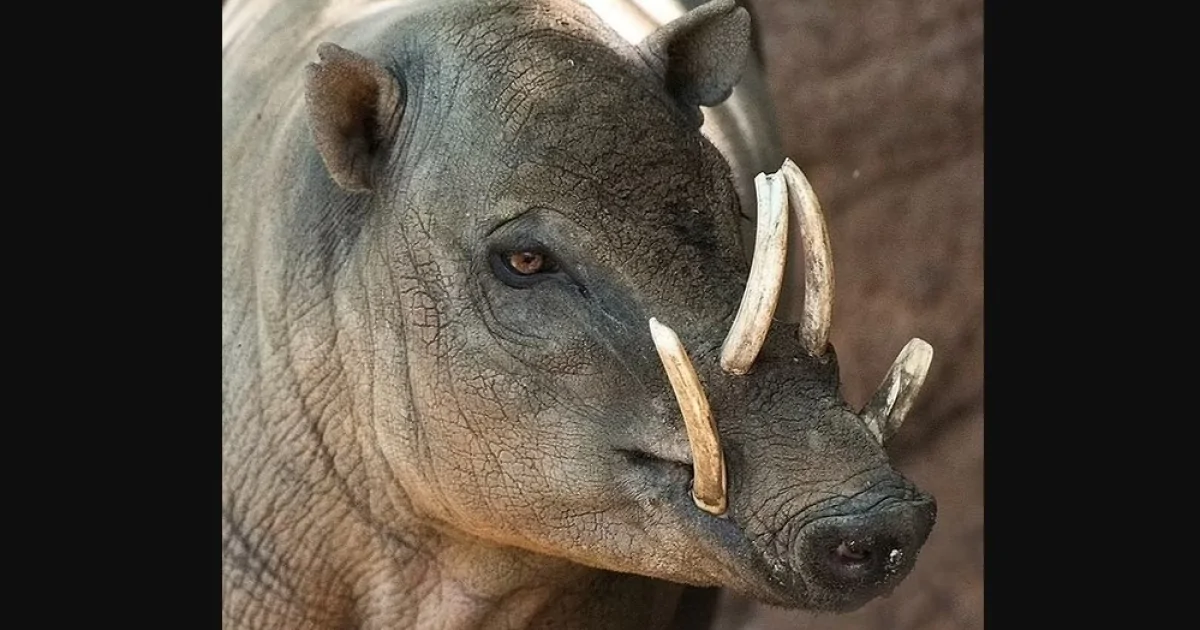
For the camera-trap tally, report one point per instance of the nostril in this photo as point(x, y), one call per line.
point(862, 553)
point(863, 557)
point(851, 553)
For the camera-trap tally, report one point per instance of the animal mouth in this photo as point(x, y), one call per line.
point(639, 457)
point(837, 561)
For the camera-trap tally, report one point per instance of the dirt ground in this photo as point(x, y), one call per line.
point(881, 104)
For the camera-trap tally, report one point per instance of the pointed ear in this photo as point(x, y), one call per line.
point(354, 110)
point(700, 55)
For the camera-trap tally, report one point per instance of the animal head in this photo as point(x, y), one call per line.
point(537, 257)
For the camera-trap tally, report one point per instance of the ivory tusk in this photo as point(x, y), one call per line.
point(886, 410)
point(818, 260)
point(708, 461)
point(757, 309)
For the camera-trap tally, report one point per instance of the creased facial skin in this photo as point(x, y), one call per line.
point(417, 434)
point(565, 362)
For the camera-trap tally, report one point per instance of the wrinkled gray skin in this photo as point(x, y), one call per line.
point(415, 436)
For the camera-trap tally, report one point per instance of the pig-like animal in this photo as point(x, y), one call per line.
point(496, 352)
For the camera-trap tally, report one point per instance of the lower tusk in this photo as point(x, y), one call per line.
point(818, 260)
point(757, 309)
point(708, 461)
point(885, 412)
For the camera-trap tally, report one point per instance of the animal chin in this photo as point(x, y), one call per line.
point(850, 554)
point(834, 559)
point(730, 558)
point(664, 484)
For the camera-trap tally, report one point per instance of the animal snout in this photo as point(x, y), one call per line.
point(861, 555)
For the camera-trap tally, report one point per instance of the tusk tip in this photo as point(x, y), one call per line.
point(916, 356)
point(886, 410)
point(732, 367)
point(717, 508)
point(658, 330)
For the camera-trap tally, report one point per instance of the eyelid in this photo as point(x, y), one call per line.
point(522, 232)
point(506, 251)
point(508, 220)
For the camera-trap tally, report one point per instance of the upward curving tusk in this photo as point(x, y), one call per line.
point(818, 260)
point(754, 316)
point(886, 410)
point(708, 461)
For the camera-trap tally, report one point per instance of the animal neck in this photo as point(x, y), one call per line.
point(466, 584)
point(318, 562)
point(312, 541)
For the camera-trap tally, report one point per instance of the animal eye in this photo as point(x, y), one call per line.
point(527, 262)
point(523, 268)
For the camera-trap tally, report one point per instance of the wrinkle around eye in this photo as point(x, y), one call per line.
point(494, 324)
point(503, 334)
point(507, 336)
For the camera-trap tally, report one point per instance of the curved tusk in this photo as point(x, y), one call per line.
point(818, 260)
point(754, 316)
point(886, 410)
point(708, 461)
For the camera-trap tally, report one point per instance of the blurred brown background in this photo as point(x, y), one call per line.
point(881, 104)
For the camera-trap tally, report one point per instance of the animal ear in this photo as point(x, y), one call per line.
point(354, 110)
point(700, 55)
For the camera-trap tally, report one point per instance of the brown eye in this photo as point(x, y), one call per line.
point(523, 267)
point(527, 263)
